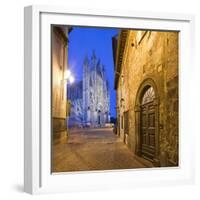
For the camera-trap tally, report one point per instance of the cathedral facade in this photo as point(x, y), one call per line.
point(90, 98)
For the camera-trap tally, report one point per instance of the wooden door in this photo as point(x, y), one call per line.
point(99, 120)
point(148, 125)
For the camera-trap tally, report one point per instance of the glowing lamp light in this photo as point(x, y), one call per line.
point(71, 79)
point(67, 74)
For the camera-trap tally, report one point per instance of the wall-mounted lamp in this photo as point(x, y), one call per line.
point(68, 76)
point(71, 79)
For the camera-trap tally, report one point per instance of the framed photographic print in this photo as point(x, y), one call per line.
point(106, 96)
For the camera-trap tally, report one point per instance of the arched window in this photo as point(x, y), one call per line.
point(148, 96)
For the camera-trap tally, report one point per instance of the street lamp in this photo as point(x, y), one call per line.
point(71, 79)
point(68, 76)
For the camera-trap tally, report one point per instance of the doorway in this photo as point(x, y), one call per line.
point(99, 120)
point(148, 124)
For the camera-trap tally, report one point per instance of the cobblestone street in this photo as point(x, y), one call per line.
point(92, 149)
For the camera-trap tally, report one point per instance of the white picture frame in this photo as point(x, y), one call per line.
point(37, 137)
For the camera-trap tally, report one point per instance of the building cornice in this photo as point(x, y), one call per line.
point(119, 55)
point(61, 34)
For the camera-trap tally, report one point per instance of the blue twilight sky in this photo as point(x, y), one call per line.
point(82, 41)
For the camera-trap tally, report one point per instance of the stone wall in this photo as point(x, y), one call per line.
point(59, 63)
point(151, 55)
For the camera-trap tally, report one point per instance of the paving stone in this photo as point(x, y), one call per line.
point(93, 149)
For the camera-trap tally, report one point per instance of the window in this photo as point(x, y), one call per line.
point(148, 96)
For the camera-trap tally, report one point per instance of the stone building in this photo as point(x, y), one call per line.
point(146, 81)
point(75, 95)
point(96, 94)
point(59, 66)
point(90, 98)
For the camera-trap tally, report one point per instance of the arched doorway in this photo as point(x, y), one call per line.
point(100, 119)
point(147, 122)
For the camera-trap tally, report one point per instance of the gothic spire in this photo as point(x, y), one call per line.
point(93, 60)
point(93, 55)
point(99, 64)
point(107, 85)
point(86, 60)
point(103, 68)
point(99, 61)
point(99, 67)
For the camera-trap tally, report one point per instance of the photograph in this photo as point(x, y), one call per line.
point(114, 98)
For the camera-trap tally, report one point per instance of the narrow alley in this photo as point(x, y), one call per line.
point(93, 149)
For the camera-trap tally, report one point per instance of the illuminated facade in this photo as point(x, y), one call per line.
point(90, 101)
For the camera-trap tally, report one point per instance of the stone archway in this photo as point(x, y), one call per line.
point(147, 121)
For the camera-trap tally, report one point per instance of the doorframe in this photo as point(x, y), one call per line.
point(146, 83)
